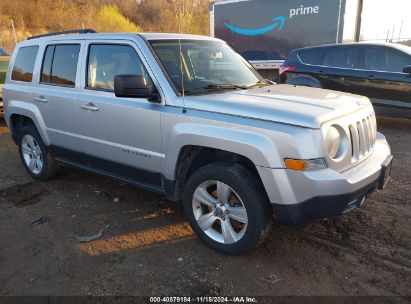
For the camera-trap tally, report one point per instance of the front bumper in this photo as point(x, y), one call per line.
point(299, 197)
point(322, 206)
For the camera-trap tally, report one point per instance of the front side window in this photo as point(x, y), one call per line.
point(201, 66)
point(105, 61)
point(385, 59)
point(341, 57)
point(24, 64)
point(60, 64)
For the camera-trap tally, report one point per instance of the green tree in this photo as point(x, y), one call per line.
point(110, 19)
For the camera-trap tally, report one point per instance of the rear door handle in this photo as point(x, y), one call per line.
point(89, 107)
point(40, 99)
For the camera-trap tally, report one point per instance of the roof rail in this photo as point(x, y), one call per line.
point(81, 31)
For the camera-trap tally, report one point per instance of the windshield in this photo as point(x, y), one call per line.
point(205, 66)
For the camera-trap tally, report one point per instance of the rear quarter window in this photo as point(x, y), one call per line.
point(24, 64)
point(311, 56)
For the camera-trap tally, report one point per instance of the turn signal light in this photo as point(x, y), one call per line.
point(305, 165)
point(293, 164)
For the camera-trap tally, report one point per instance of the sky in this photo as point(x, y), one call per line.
point(381, 16)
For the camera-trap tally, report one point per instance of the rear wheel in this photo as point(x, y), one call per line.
point(227, 208)
point(36, 159)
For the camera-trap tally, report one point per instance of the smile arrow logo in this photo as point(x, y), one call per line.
point(278, 22)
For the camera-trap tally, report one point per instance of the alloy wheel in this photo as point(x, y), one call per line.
point(32, 154)
point(220, 212)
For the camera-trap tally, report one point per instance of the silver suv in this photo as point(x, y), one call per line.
point(188, 117)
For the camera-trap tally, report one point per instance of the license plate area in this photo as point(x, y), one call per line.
point(385, 172)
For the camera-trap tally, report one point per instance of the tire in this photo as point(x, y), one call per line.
point(246, 210)
point(32, 149)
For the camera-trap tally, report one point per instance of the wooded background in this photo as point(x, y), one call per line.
point(32, 17)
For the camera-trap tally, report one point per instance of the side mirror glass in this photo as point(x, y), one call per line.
point(407, 69)
point(134, 86)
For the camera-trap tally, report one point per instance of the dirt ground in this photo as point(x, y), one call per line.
point(147, 247)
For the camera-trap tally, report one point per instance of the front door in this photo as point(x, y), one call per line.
point(118, 136)
point(386, 83)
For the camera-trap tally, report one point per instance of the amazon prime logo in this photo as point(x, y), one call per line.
point(278, 22)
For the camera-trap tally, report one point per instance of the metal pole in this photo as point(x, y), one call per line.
point(358, 21)
point(399, 34)
point(14, 31)
point(393, 30)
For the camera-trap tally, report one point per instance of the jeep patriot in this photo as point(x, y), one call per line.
point(186, 116)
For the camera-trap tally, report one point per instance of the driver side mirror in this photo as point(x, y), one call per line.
point(407, 69)
point(134, 86)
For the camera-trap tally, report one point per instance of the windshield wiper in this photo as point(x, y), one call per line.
point(261, 83)
point(216, 87)
point(224, 86)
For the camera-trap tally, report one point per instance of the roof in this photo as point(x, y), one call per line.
point(397, 46)
point(147, 36)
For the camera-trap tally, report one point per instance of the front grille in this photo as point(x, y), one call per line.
point(363, 134)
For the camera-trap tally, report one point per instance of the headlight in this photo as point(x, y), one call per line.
point(335, 141)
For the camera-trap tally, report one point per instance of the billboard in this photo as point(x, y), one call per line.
point(270, 29)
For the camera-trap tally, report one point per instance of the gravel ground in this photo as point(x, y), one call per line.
point(147, 247)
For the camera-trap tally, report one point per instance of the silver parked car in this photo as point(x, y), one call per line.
point(188, 117)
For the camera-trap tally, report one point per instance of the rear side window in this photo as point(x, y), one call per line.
point(341, 57)
point(105, 61)
point(24, 64)
point(311, 56)
point(60, 64)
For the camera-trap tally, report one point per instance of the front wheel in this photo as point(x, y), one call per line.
point(227, 208)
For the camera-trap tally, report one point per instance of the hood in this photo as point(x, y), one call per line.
point(295, 105)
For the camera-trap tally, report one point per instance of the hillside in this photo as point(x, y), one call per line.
point(31, 17)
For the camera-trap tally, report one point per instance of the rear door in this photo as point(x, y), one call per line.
point(119, 136)
point(386, 83)
point(57, 89)
point(338, 69)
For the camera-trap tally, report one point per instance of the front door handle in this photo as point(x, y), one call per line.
point(89, 107)
point(40, 99)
